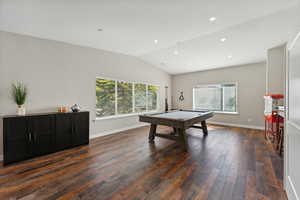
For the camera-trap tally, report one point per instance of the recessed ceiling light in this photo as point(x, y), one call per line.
point(99, 29)
point(176, 52)
point(212, 19)
point(223, 39)
point(155, 41)
point(230, 56)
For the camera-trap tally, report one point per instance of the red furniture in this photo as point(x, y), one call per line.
point(274, 122)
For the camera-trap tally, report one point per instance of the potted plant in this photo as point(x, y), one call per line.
point(19, 94)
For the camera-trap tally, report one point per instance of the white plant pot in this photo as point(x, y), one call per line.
point(21, 110)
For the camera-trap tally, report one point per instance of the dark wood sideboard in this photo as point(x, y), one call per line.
point(34, 135)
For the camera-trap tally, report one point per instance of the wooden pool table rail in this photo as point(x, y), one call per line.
point(176, 123)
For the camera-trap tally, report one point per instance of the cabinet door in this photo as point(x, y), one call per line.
point(43, 130)
point(80, 128)
point(64, 123)
point(16, 139)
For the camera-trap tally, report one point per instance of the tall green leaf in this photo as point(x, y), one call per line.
point(19, 93)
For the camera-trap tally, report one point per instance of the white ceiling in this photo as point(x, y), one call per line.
point(130, 27)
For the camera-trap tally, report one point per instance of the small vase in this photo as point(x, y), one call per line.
point(21, 110)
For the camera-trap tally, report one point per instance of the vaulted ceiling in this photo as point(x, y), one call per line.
point(174, 35)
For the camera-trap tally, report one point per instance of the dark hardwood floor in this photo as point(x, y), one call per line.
point(231, 163)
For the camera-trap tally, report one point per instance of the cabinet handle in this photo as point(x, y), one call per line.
point(29, 136)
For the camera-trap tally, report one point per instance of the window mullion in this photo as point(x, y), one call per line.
point(133, 97)
point(222, 98)
point(146, 98)
point(157, 99)
point(194, 98)
point(116, 97)
point(236, 99)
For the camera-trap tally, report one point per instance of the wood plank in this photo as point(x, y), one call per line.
point(232, 163)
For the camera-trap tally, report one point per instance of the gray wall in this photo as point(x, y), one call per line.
point(251, 81)
point(276, 65)
point(58, 74)
point(292, 125)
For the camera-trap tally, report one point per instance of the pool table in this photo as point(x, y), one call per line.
point(180, 120)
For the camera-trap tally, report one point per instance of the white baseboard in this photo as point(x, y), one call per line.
point(117, 130)
point(290, 190)
point(141, 125)
point(1, 157)
point(237, 125)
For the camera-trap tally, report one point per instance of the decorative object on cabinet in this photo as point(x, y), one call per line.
point(63, 109)
point(75, 108)
point(19, 94)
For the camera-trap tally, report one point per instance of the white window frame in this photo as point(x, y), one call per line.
point(116, 115)
point(219, 84)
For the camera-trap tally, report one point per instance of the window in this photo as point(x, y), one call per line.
point(105, 92)
point(219, 97)
point(115, 97)
point(140, 97)
point(124, 97)
point(152, 97)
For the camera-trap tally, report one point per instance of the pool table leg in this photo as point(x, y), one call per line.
point(183, 138)
point(204, 128)
point(152, 133)
point(174, 131)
